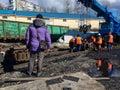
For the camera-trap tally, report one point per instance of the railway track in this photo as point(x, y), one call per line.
point(51, 57)
point(56, 53)
point(59, 62)
point(56, 57)
point(63, 57)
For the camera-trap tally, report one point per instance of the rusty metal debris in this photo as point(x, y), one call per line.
point(54, 81)
point(71, 78)
point(21, 55)
point(66, 88)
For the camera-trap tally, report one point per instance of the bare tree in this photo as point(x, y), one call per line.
point(42, 6)
point(1, 6)
point(67, 6)
point(79, 8)
point(53, 9)
point(43, 9)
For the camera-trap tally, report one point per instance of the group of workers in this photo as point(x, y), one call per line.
point(95, 42)
point(75, 42)
point(37, 32)
point(99, 41)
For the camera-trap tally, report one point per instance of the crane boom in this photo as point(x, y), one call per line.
point(111, 24)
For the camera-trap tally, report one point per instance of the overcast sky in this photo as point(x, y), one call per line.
point(113, 5)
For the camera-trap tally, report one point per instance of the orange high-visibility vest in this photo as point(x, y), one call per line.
point(99, 62)
point(78, 40)
point(93, 39)
point(110, 40)
point(72, 40)
point(109, 66)
point(99, 41)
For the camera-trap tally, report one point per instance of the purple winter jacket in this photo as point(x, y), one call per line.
point(31, 37)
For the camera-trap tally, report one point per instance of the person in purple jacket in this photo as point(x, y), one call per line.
point(35, 31)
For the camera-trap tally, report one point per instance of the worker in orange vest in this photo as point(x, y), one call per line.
point(78, 42)
point(110, 68)
point(99, 64)
point(109, 41)
point(93, 42)
point(99, 41)
point(92, 39)
point(105, 66)
point(72, 44)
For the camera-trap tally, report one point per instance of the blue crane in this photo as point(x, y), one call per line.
point(111, 24)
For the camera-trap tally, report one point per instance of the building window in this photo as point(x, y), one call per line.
point(29, 18)
point(64, 20)
point(4, 17)
point(46, 18)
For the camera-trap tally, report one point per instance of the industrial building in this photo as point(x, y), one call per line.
point(61, 19)
point(23, 5)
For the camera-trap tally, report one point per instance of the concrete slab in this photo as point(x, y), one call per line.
point(76, 81)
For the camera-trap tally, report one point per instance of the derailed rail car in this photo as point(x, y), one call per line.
point(12, 30)
point(57, 31)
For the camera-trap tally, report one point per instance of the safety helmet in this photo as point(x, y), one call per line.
point(99, 34)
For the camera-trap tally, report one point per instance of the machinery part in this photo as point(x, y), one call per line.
point(111, 24)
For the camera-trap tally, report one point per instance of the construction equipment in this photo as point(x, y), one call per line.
point(111, 23)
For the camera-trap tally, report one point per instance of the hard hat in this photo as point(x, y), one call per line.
point(99, 34)
point(109, 33)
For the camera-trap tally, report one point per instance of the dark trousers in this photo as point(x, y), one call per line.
point(99, 47)
point(79, 47)
point(33, 56)
point(71, 45)
point(109, 46)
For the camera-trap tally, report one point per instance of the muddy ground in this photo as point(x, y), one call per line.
point(86, 62)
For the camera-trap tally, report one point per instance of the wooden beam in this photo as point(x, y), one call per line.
point(101, 78)
point(21, 79)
